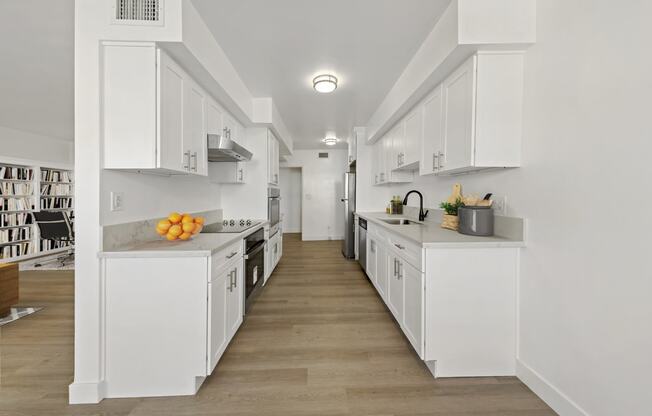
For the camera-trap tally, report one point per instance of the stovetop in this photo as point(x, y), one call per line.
point(230, 226)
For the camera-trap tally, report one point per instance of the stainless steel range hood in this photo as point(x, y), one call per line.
point(223, 149)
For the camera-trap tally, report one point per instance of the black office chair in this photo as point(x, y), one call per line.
point(55, 226)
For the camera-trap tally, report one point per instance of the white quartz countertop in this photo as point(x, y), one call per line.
point(201, 245)
point(431, 235)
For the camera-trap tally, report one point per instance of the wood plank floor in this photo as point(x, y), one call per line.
point(318, 341)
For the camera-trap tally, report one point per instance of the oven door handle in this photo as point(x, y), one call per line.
point(258, 248)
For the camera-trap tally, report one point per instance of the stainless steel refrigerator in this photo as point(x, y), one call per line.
point(348, 202)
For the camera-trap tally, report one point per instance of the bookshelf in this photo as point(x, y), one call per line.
point(25, 188)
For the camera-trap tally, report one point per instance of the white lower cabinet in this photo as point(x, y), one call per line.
point(413, 312)
point(168, 320)
point(395, 291)
point(273, 253)
point(456, 306)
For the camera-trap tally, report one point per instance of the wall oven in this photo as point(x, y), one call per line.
point(273, 209)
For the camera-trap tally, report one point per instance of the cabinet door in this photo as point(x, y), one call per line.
point(398, 145)
point(413, 305)
point(194, 128)
point(372, 258)
point(412, 138)
point(459, 109)
point(218, 293)
point(395, 288)
point(382, 271)
point(171, 151)
point(235, 303)
point(431, 144)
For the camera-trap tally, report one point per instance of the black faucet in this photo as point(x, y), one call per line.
point(422, 215)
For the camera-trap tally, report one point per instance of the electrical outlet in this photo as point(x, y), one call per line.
point(117, 201)
point(500, 205)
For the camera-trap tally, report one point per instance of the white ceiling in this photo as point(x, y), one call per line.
point(278, 46)
point(36, 75)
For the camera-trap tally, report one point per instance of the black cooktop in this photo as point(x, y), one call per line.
point(230, 226)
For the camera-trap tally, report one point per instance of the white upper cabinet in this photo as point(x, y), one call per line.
point(273, 155)
point(194, 128)
point(153, 112)
point(482, 114)
point(411, 143)
point(216, 121)
point(386, 159)
point(432, 143)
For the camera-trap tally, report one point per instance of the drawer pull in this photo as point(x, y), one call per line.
point(400, 247)
point(231, 255)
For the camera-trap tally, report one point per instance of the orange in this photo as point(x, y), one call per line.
point(186, 218)
point(197, 229)
point(199, 220)
point(188, 227)
point(170, 237)
point(175, 218)
point(161, 232)
point(175, 230)
point(185, 236)
point(163, 225)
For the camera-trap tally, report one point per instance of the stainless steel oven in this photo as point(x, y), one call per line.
point(273, 209)
point(254, 266)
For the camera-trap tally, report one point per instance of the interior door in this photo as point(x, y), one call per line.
point(171, 153)
point(218, 290)
point(431, 143)
point(459, 113)
point(413, 306)
point(194, 128)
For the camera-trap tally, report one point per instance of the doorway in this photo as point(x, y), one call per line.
point(291, 195)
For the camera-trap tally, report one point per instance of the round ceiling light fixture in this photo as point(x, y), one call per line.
point(330, 141)
point(324, 83)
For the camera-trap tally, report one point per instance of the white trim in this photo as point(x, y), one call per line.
point(553, 397)
point(86, 393)
point(35, 163)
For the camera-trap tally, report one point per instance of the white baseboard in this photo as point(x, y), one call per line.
point(86, 393)
point(305, 237)
point(291, 230)
point(553, 397)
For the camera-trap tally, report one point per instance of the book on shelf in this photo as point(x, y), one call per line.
point(17, 204)
point(15, 235)
point(54, 175)
point(16, 250)
point(16, 219)
point(15, 188)
point(56, 203)
point(16, 173)
point(56, 190)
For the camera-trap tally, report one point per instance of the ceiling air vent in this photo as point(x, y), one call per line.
point(323, 155)
point(138, 12)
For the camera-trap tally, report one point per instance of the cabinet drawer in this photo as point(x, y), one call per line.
point(225, 256)
point(408, 250)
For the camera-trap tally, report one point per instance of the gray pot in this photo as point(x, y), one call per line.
point(476, 221)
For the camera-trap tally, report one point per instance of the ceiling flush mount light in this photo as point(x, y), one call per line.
point(330, 141)
point(324, 83)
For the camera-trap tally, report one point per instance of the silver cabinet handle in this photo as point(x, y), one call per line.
point(194, 158)
point(186, 159)
point(235, 278)
point(241, 174)
point(400, 270)
point(230, 281)
point(232, 254)
point(440, 159)
point(395, 267)
point(435, 158)
point(400, 247)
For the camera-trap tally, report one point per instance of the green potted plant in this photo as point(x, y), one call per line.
point(450, 219)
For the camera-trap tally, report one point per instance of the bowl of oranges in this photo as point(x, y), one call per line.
point(179, 226)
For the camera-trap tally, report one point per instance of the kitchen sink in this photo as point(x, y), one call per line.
point(399, 221)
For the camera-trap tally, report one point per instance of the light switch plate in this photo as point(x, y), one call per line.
point(117, 201)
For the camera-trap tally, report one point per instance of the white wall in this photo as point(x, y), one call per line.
point(291, 195)
point(586, 281)
point(35, 147)
point(322, 211)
